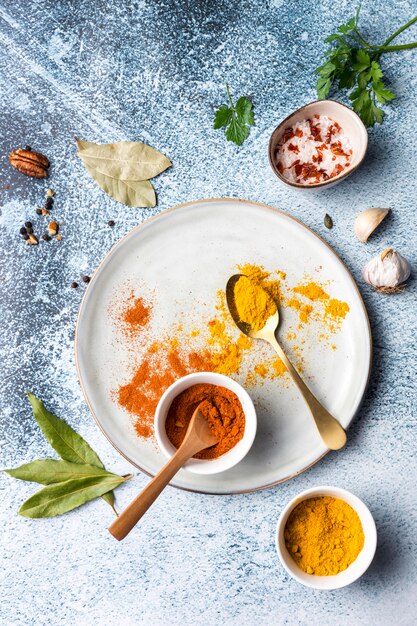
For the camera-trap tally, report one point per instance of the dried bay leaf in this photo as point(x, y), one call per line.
point(110, 499)
point(64, 440)
point(124, 160)
point(49, 471)
point(133, 193)
point(70, 494)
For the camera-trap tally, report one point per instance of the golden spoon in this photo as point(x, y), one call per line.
point(331, 432)
point(198, 437)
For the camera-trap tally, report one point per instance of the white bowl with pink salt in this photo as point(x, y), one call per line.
point(318, 145)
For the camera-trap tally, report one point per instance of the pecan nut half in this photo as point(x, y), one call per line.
point(29, 162)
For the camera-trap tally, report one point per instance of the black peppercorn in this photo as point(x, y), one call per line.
point(86, 279)
point(38, 211)
point(46, 237)
point(28, 148)
point(74, 285)
point(110, 223)
point(25, 236)
point(23, 231)
point(29, 230)
point(48, 203)
point(28, 224)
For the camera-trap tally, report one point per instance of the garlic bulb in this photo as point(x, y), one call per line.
point(368, 221)
point(387, 272)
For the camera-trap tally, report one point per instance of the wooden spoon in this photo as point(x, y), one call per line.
point(197, 438)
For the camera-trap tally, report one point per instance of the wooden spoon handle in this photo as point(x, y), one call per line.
point(123, 524)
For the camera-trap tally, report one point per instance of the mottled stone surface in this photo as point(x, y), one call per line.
point(155, 71)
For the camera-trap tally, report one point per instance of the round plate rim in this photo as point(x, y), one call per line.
point(137, 228)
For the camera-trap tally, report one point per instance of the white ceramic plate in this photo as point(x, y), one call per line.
point(186, 254)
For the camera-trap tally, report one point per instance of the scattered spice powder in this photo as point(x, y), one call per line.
point(278, 366)
point(311, 290)
point(157, 371)
point(137, 314)
point(324, 535)
point(222, 409)
point(213, 345)
point(261, 369)
point(333, 308)
point(303, 309)
point(336, 308)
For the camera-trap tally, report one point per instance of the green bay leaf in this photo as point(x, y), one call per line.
point(48, 471)
point(124, 160)
point(64, 440)
point(138, 194)
point(63, 497)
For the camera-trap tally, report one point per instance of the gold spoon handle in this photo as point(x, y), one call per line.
point(329, 428)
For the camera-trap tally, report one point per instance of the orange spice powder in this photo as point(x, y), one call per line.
point(157, 371)
point(135, 314)
point(220, 406)
point(215, 345)
point(138, 314)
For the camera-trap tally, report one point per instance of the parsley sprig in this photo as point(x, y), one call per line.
point(235, 118)
point(353, 64)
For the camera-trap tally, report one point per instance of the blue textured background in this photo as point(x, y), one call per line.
point(155, 71)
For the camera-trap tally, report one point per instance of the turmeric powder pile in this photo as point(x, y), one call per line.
point(253, 304)
point(323, 535)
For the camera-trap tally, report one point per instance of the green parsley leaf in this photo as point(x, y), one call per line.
point(363, 78)
point(376, 71)
point(331, 38)
point(352, 63)
point(348, 27)
point(382, 93)
point(236, 119)
point(377, 113)
point(360, 99)
point(347, 79)
point(363, 60)
point(237, 132)
point(323, 87)
point(366, 111)
point(244, 111)
point(222, 117)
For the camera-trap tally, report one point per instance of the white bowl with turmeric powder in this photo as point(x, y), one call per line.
point(326, 538)
point(230, 412)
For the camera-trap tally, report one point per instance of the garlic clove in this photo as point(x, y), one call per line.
point(367, 221)
point(387, 272)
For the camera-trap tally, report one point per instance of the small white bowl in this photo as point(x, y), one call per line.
point(236, 454)
point(356, 569)
point(352, 126)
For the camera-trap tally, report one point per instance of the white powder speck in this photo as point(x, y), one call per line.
point(59, 47)
point(13, 215)
point(22, 102)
